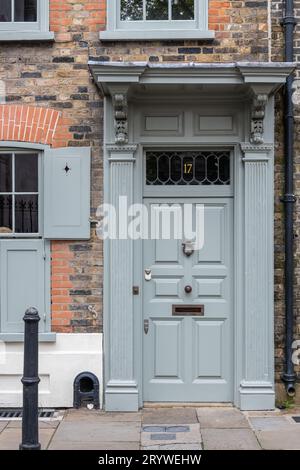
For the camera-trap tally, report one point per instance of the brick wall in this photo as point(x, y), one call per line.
point(54, 77)
point(241, 33)
point(278, 54)
point(25, 123)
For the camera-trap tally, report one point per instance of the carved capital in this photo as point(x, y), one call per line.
point(257, 118)
point(121, 153)
point(120, 107)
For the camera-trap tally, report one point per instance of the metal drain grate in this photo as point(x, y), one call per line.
point(296, 418)
point(17, 413)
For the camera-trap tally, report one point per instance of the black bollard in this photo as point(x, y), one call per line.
point(30, 381)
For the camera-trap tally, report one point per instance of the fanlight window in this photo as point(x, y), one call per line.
point(188, 168)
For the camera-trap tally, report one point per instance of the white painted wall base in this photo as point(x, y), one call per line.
point(59, 364)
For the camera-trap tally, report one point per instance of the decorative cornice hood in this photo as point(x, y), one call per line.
point(272, 74)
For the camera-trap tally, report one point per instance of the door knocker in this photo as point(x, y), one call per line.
point(188, 248)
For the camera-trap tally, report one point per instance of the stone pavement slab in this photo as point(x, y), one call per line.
point(271, 423)
point(229, 439)
point(65, 445)
point(42, 424)
point(10, 438)
point(221, 418)
point(74, 415)
point(174, 428)
point(191, 435)
point(279, 440)
point(275, 412)
point(96, 431)
point(169, 416)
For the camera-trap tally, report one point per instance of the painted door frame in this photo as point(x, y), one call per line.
point(138, 264)
point(253, 233)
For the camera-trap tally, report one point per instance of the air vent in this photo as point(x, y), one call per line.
point(17, 413)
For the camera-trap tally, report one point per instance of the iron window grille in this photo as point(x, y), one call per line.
point(19, 194)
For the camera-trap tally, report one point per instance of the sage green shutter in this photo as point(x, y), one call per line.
point(22, 282)
point(67, 193)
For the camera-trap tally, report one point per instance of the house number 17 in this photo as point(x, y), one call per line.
point(187, 168)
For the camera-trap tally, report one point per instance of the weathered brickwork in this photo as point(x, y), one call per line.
point(241, 33)
point(278, 55)
point(54, 76)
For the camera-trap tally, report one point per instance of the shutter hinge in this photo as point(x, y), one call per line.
point(45, 317)
point(44, 256)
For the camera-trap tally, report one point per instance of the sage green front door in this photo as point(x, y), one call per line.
point(188, 316)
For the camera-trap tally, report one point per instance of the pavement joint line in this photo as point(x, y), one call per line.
point(258, 441)
point(4, 427)
point(63, 416)
point(52, 437)
point(249, 422)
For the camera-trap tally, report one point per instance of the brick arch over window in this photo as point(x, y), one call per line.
point(22, 123)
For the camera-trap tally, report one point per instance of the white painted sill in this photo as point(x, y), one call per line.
point(19, 337)
point(26, 36)
point(149, 35)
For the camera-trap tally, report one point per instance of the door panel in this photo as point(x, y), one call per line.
point(22, 282)
point(210, 287)
point(166, 250)
point(208, 344)
point(189, 357)
point(167, 341)
point(213, 249)
point(167, 288)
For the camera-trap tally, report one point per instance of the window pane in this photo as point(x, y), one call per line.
point(131, 10)
point(157, 10)
point(212, 169)
point(5, 173)
point(5, 10)
point(183, 10)
point(25, 10)
point(26, 171)
point(26, 214)
point(5, 214)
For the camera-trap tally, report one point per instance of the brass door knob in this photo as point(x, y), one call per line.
point(188, 289)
